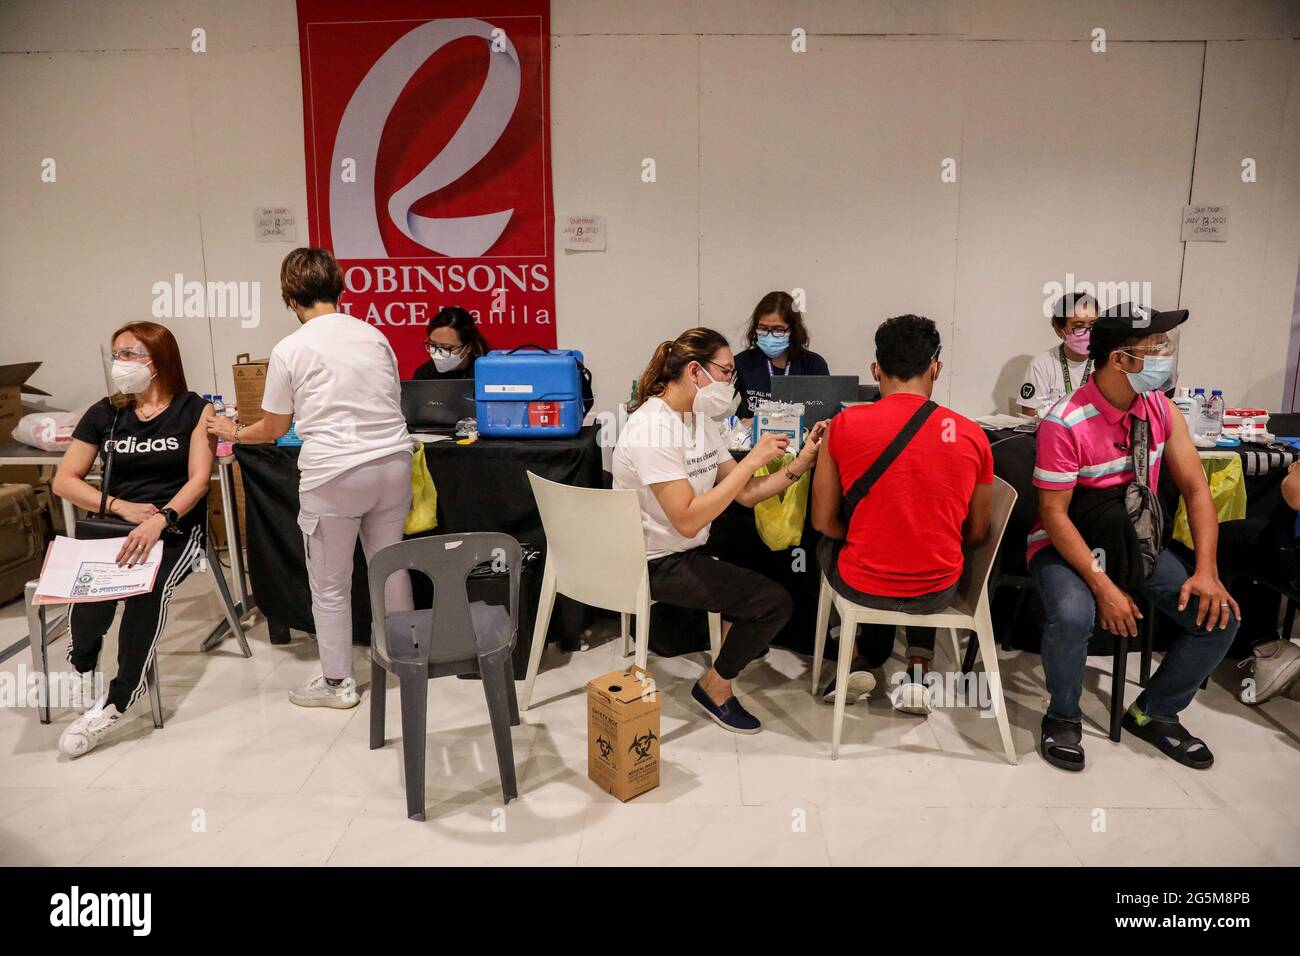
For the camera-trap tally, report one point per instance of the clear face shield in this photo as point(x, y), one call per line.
point(1158, 354)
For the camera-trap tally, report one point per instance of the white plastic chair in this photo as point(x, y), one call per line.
point(595, 554)
point(969, 611)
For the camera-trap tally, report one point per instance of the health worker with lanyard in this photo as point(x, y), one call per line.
point(778, 345)
point(1056, 373)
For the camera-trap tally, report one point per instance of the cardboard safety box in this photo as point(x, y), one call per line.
point(250, 383)
point(623, 732)
point(12, 389)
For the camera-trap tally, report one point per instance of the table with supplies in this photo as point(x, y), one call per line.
point(481, 486)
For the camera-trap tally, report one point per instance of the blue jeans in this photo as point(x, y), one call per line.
point(1071, 613)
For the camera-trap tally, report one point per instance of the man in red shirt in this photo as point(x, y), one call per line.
point(902, 547)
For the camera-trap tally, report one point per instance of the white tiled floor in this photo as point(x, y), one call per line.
point(241, 777)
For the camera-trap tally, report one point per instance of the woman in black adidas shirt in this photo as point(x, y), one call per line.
point(162, 467)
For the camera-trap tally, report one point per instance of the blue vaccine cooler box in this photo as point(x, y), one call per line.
point(529, 392)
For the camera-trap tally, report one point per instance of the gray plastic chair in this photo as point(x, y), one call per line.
point(455, 637)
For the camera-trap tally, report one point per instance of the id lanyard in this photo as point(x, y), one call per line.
point(771, 370)
point(1065, 370)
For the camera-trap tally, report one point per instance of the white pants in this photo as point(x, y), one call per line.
point(373, 500)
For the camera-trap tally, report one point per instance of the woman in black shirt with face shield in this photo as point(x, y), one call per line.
point(162, 469)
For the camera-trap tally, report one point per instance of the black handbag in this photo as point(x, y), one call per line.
point(101, 524)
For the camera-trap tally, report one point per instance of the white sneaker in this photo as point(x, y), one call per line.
point(89, 731)
point(318, 693)
point(1273, 671)
point(861, 683)
point(910, 697)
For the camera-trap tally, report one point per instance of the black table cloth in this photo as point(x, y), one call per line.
point(481, 487)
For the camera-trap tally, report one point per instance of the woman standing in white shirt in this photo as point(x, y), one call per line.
point(337, 376)
point(672, 454)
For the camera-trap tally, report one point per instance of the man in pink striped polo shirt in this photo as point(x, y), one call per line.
point(1095, 545)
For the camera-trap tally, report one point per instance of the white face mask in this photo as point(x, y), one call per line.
point(131, 378)
point(716, 400)
point(445, 363)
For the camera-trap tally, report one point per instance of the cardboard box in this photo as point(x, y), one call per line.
point(623, 732)
point(216, 517)
point(12, 389)
point(250, 383)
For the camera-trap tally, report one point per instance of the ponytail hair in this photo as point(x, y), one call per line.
point(670, 360)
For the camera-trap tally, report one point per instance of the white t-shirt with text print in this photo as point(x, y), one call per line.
point(658, 445)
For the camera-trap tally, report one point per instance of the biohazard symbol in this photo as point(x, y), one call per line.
point(605, 747)
point(642, 745)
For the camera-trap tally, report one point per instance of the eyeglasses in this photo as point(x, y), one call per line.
point(1165, 346)
point(765, 331)
point(442, 351)
point(129, 355)
point(728, 371)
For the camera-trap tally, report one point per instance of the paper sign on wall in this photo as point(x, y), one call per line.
point(1205, 224)
point(584, 233)
point(275, 224)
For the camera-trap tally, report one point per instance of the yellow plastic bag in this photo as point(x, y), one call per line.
point(1227, 488)
point(423, 515)
point(780, 518)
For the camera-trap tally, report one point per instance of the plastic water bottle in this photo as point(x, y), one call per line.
point(1185, 404)
point(224, 448)
point(1214, 415)
point(1198, 397)
point(1209, 423)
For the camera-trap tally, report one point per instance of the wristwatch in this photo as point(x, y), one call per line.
point(173, 519)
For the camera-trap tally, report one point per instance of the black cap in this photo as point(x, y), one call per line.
point(1121, 323)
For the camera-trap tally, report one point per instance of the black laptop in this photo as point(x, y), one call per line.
point(437, 404)
point(820, 395)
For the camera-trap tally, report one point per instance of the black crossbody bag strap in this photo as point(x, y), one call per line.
point(107, 452)
point(887, 457)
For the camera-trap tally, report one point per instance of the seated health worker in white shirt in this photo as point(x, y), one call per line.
point(672, 453)
point(337, 377)
point(1065, 367)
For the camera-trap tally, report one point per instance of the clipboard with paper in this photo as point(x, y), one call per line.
point(78, 570)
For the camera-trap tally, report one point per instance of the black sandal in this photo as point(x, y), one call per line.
point(1172, 739)
point(1061, 744)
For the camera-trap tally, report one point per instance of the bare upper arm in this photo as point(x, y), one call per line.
point(1181, 454)
point(77, 460)
point(981, 513)
point(826, 491)
point(675, 499)
point(203, 447)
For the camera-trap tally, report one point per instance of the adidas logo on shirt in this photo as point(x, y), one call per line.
point(126, 446)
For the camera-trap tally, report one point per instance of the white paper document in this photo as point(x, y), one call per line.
point(79, 570)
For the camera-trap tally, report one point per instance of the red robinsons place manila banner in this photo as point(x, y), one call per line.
point(429, 165)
